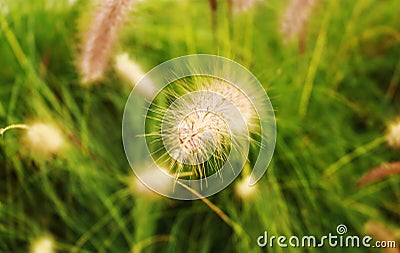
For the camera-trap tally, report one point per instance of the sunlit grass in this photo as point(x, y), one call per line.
point(333, 102)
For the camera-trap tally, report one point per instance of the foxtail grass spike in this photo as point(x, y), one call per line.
point(381, 172)
point(100, 37)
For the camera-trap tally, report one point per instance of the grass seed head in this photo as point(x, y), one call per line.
point(44, 244)
point(132, 72)
point(128, 69)
point(138, 188)
point(44, 138)
point(100, 37)
point(295, 18)
point(243, 190)
point(198, 126)
point(393, 134)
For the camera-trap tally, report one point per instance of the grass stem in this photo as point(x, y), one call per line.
point(14, 126)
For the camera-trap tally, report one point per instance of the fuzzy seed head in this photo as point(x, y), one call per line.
point(296, 18)
point(44, 138)
point(99, 39)
point(199, 127)
point(133, 73)
point(243, 190)
point(137, 187)
point(194, 128)
point(236, 97)
point(393, 135)
point(44, 244)
point(128, 69)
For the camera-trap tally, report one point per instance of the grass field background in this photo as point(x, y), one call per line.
point(333, 100)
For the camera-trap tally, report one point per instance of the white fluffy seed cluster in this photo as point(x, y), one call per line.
point(243, 190)
point(132, 72)
point(198, 130)
point(194, 129)
point(204, 122)
point(236, 97)
point(128, 69)
point(138, 188)
point(44, 138)
point(393, 135)
point(43, 244)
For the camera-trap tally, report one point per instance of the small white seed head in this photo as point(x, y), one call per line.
point(393, 134)
point(243, 190)
point(236, 97)
point(133, 73)
point(137, 187)
point(44, 138)
point(128, 69)
point(44, 244)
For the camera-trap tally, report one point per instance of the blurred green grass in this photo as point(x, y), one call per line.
point(332, 102)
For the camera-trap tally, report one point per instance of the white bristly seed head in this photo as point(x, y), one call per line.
point(133, 73)
point(393, 134)
point(243, 190)
point(137, 187)
point(236, 97)
point(43, 244)
point(44, 138)
point(199, 126)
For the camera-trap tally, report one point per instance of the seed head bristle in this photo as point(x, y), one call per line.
point(235, 96)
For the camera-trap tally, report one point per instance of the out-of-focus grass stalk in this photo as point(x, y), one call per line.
point(138, 247)
point(315, 60)
point(394, 82)
point(26, 65)
point(234, 225)
point(359, 151)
